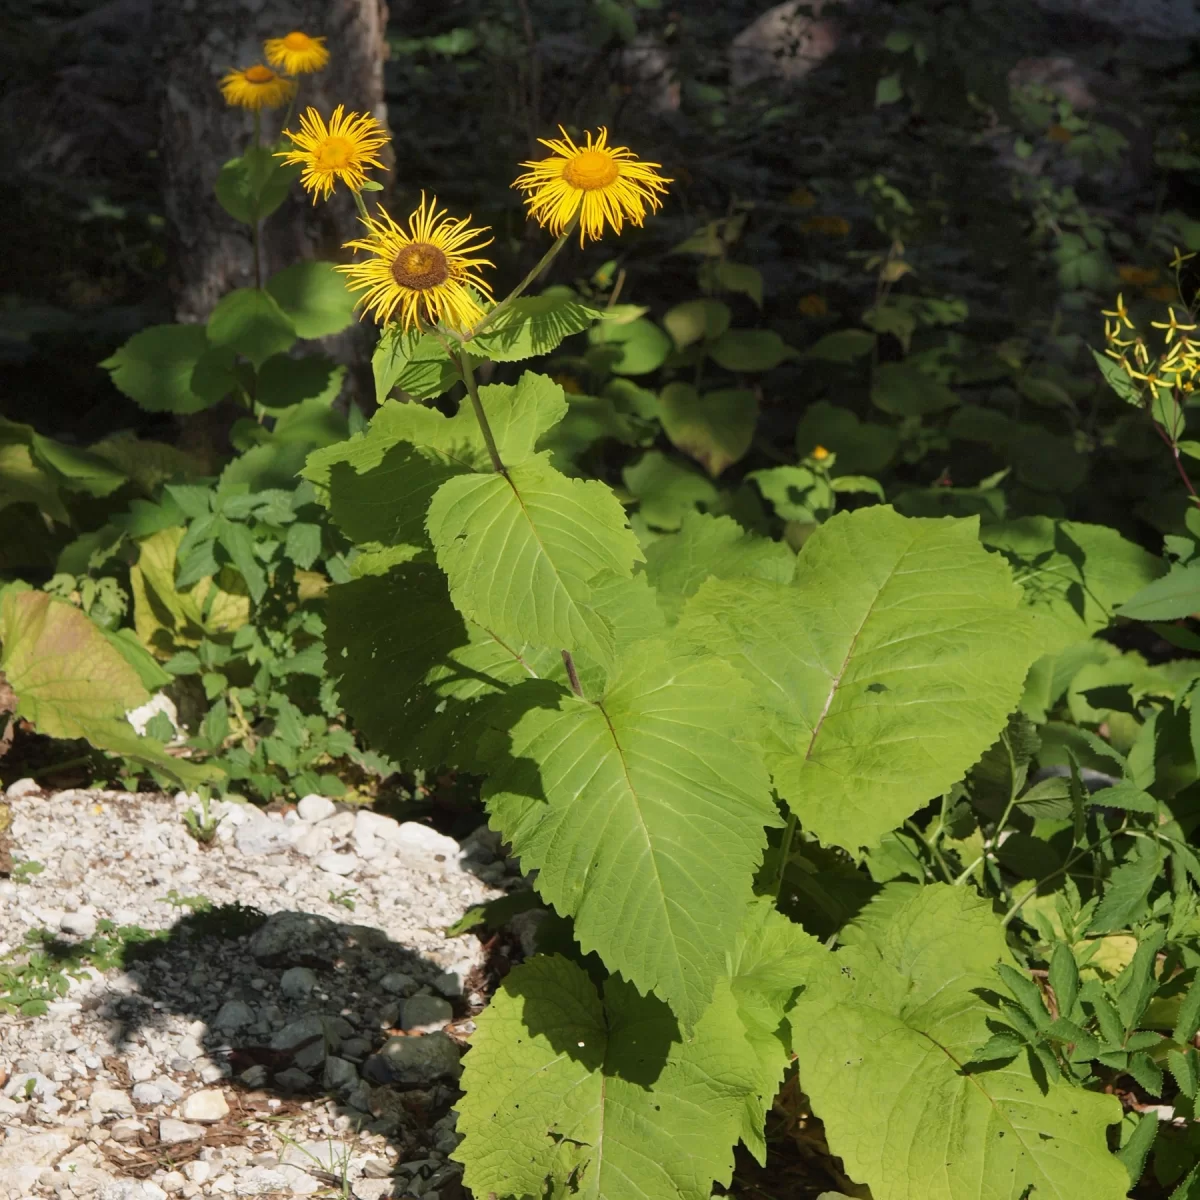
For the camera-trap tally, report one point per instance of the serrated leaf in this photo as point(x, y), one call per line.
point(314, 298)
point(867, 666)
point(1118, 380)
point(284, 381)
point(795, 493)
point(711, 547)
point(519, 551)
point(154, 368)
point(1064, 978)
point(251, 322)
point(1146, 1072)
point(1135, 1151)
point(1075, 576)
point(715, 428)
point(414, 362)
point(563, 1088)
point(531, 326)
point(1127, 890)
point(1187, 1023)
point(661, 758)
point(303, 543)
point(1175, 595)
point(881, 1040)
point(1184, 1066)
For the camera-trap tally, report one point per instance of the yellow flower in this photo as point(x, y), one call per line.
point(833, 226)
point(297, 53)
point(812, 305)
point(1120, 312)
point(604, 184)
point(1172, 326)
point(257, 87)
point(343, 149)
point(819, 453)
point(1179, 259)
point(423, 271)
point(1137, 276)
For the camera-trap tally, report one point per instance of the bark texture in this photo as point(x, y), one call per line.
point(197, 41)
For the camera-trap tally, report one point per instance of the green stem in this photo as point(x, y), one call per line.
point(257, 239)
point(785, 851)
point(935, 855)
point(543, 263)
point(1082, 852)
point(362, 204)
point(468, 378)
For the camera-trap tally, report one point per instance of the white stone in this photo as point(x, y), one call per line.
point(126, 1129)
point(170, 1089)
point(79, 924)
point(140, 717)
point(371, 1189)
point(783, 43)
point(197, 1170)
point(419, 843)
point(171, 1132)
point(424, 1014)
point(205, 1107)
point(234, 1014)
point(22, 787)
point(111, 1100)
point(174, 1181)
point(340, 825)
point(33, 1149)
point(147, 1094)
point(297, 982)
point(261, 836)
point(280, 1181)
point(313, 841)
point(313, 808)
point(338, 864)
point(19, 1085)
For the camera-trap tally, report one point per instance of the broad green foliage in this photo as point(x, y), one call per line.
point(868, 667)
point(596, 1091)
point(663, 757)
point(883, 1033)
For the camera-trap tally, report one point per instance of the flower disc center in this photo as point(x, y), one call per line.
point(420, 266)
point(334, 154)
point(590, 169)
point(297, 41)
point(259, 74)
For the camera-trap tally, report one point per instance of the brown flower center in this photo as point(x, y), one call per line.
point(590, 169)
point(259, 74)
point(334, 153)
point(297, 41)
point(420, 266)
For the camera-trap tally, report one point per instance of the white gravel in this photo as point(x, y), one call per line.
point(314, 1051)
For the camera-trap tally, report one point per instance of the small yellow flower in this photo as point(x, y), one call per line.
point(343, 150)
point(1120, 312)
point(819, 453)
point(604, 184)
point(1179, 259)
point(1172, 326)
point(257, 87)
point(812, 305)
point(832, 226)
point(423, 272)
point(297, 53)
point(1137, 276)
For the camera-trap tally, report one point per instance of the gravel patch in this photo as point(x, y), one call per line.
point(278, 1013)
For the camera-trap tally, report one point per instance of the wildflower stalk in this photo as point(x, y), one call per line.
point(256, 227)
point(360, 202)
point(543, 263)
point(468, 378)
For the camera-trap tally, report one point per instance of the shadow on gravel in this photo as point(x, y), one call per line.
point(288, 1008)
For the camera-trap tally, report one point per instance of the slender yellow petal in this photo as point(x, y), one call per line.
point(343, 150)
point(256, 87)
point(297, 53)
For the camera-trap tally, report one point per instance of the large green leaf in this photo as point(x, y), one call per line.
point(154, 368)
point(284, 381)
point(883, 1033)
point(416, 363)
point(520, 551)
point(666, 490)
point(1074, 576)
point(715, 429)
point(314, 297)
point(750, 350)
point(636, 347)
point(531, 326)
point(707, 547)
point(644, 814)
point(255, 184)
point(72, 681)
point(1175, 595)
point(903, 390)
point(571, 1093)
point(884, 671)
point(251, 322)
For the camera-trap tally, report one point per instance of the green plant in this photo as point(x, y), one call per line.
point(200, 822)
point(344, 896)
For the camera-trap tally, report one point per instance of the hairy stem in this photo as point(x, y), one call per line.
point(361, 203)
point(468, 378)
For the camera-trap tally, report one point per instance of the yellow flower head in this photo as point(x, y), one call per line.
point(297, 53)
point(604, 184)
point(1179, 259)
point(819, 453)
point(343, 150)
point(1119, 313)
point(256, 87)
point(1173, 326)
point(423, 272)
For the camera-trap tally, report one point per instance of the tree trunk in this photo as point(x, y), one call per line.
point(197, 43)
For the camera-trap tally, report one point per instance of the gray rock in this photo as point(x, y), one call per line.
point(297, 982)
point(255, 1076)
point(147, 1094)
point(482, 845)
point(355, 1047)
point(260, 836)
point(234, 1014)
point(279, 1181)
point(414, 1060)
point(398, 983)
point(359, 1096)
point(340, 1075)
point(328, 1030)
point(424, 1014)
point(314, 808)
point(288, 938)
point(294, 1080)
point(171, 1091)
point(205, 1107)
point(338, 864)
point(171, 1132)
